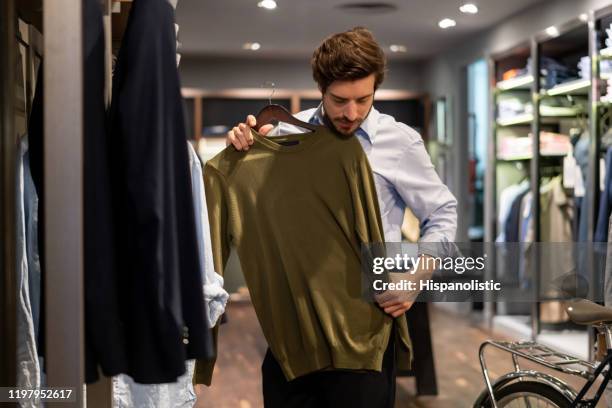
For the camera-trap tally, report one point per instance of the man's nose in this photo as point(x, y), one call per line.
point(350, 111)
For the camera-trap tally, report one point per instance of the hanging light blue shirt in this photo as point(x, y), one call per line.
point(404, 177)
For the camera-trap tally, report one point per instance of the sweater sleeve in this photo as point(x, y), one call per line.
point(368, 225)
point(216, 193)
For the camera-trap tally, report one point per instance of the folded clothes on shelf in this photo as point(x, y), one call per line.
point(584, 67)
point(513, 73)
point(516, 148)
point(509, 106)
point(554, 72)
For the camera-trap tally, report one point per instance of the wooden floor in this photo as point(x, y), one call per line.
point(237, 379)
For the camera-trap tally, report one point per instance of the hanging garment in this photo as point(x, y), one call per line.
point(605, 203)
point(511, 226)
point(506, 199)
point(105, 337)
point(30, 206)
point(297, 209)
point(157, 251)
point(35, 152)
point(556, 256)
point(179, 394)
point(28, 369)
point(508, 249)
point(214, 295)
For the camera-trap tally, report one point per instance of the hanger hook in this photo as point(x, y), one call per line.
point(269, 84)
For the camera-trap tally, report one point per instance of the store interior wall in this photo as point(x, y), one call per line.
point(219, 73)
point(444, 76)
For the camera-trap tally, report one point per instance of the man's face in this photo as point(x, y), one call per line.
point(347, 103)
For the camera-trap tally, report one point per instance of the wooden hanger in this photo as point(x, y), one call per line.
point(276, 113)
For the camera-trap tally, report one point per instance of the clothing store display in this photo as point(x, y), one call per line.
point(303, 272)
point(161, 296)
point(330, 388)
point(214, 295)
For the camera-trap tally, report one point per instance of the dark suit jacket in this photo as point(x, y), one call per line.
point(160, 278)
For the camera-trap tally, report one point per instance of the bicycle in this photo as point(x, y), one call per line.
point(530, 388)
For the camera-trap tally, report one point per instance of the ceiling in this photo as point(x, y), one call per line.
point(293, 30)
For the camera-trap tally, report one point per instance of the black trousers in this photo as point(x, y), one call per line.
point(332, 388)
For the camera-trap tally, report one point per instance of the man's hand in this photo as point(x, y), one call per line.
point(398, 302)
point(200, 397)
point(240, 136)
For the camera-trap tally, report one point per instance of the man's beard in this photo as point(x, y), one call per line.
point(330, 124)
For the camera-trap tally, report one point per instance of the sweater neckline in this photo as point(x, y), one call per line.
point(274, 142)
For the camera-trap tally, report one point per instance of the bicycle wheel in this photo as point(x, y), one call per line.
point(529, 394)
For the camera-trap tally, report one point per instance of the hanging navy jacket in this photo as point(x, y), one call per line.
point(157, 254)
point(105, 338)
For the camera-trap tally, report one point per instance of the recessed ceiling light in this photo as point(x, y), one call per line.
point(397, 48)
point(267, 4)
point(469, 8)
point(251, 46)
point(447, 23)
point(584, 17)
point(552, 31)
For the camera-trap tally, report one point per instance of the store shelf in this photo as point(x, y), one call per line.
point(558, 112)
point(606, 53)
point(519, 83)
point(523, 119)
point(547, 114)
point(576, 87)
point(504, 159)
point(605, 104)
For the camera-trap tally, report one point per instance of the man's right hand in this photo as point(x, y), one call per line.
point(240, 136)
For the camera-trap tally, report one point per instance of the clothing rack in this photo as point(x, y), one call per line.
point(63, 158)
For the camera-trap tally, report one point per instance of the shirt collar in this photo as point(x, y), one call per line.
point(368, 128)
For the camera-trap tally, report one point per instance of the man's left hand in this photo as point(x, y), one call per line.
point(398, 302)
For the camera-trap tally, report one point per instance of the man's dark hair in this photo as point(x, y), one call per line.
point(347, 56)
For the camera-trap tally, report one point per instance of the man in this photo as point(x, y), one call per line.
point(348, 68)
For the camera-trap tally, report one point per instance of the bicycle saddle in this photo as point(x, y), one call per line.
point(583, 311)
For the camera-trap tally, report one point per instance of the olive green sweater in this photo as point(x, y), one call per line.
point(297, 209)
